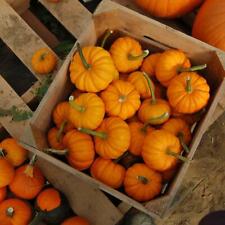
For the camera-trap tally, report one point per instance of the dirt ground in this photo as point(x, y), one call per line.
point(207, 170)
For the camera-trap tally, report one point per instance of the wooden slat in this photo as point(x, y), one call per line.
point(71, 13)
point(18, 35)
point(19, 5)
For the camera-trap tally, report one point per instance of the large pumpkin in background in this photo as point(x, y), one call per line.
point(168, 9)
point(209, 25)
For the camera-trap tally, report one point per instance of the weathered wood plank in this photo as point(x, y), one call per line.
point(19, 5)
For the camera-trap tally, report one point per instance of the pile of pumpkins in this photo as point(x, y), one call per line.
point(25, 196)
point(128, 103)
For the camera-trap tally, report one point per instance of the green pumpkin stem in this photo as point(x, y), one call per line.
point(193, 68)
point(42, 56)
point(105, 38)
point(181, 138)
point(188, 85)
point(176, 155)
point(10, 211)
point(137, 57)
point(60, 131)
point(39, 216)
point(56, 152)
point(143, 179)
point(2, 153)
point(151, 87)
point(85, 64)
point(29, 171)
point(163, 116)
point(121, 157)
point(74, 105)
point(102, 135)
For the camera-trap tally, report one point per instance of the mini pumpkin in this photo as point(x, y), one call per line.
point(138, 131)
point(13, 152)
point(161, 150)
point(142, 183)
point(75, 220)
point(127, 54)
point(92, 69)
point(28, 181)
point(87, 111)
point(15, 212)
point(153, 111)
point(112, 137)
point(188, 93)
point(44, 61)
point(121, 99)
point(108, 172)
point(3, 193)
point(181, 129)
point(55, 139)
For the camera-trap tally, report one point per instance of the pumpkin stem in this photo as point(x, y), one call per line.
point(121, 157)
point(163, 116)
point(150, 85)
point(42, 56)
point(37, 218)
point(60, 131)
point(102, 135)
point(10, 211)
point(57, 152)
point(122, 98)
point(85, 64)
point(181, 138)
point(188, 85)
point(136, 57)
point(193, 68)
point(143, 179)
point(2, 152)
point(106, 36)
point(176, 155)
point(75, 106)
point(29, 171)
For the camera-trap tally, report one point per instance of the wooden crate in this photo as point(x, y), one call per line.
point(155, 36)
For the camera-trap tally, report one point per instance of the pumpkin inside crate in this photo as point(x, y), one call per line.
point(126, 24)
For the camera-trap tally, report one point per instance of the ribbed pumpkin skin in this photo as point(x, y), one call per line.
point(209, 24)
point(121, 99)
point(168, 9)
point(98, 76)
point(52, 139)
point(3, 193)
point(138, 190)
point(22, 212)
point(76, 220)
point(117, 141)
point(155, 147)
point(120, 50)
point(108, 172)
point(184, 102)
point(80, 149)
point(14, 152)
point(94, 112)
point(7, 172)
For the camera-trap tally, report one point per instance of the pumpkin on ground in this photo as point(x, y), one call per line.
point(3, 193)
point(127, 54)
point(108, 172)
point(55, 139)
point(28, 181)
point(13, 152)
point(209, 24)
point(43, 61)
point(121, 99)
point(142, 183)
point(15, 212)
point(75, 220)
point(188, 93)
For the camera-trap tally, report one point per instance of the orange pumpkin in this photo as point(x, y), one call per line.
point(44, 61)
point(209, 24)
point(142, 183)
point(121, 99)
point(153, 111)
point(54, 139)
point(87, 111)
point(76, 220)
point(168, 175)
point(3, 193)
point(170, 64)
point(28, 181)
point(14, 153)
point(149, 64)
point(127, 54)
point(108, 172)
point(161, 150)
point(140, 83)
point(15, 212)
point(181, 129)
point(7, 171)
point(112, 137)
point(76, 93)
point(162, 9)
point(92, 69)
point(188, 93)
point(138, 132)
